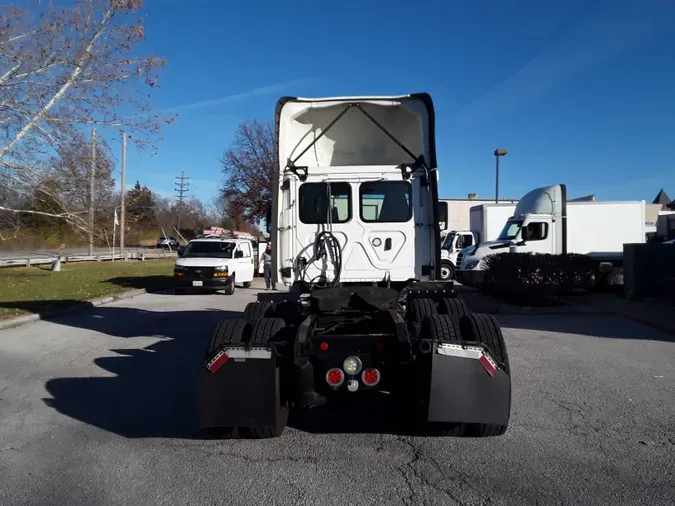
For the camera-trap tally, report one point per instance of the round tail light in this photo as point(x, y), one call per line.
point(370, 377)
point(335, 377)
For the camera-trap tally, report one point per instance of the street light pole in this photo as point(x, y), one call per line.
point(498, 153)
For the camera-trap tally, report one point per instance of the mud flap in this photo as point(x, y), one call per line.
point(241, 389)
point(467, 386)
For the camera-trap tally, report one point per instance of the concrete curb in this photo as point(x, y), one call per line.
point(83, 306)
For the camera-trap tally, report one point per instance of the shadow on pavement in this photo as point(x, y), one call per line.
point(151, 392)
point(589, 325)
point(45, 307)
point(150, 283)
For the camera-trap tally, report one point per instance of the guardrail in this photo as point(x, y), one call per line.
point(27, 262)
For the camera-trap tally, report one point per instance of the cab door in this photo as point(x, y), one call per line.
point(245, 262)
point(387, 239)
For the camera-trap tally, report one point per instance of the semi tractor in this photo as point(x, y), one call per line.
point(544, 221)
point(355, 239)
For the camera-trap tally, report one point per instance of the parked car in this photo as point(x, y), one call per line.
point(167, 242)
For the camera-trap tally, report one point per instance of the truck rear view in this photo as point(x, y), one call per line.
point(355, 237)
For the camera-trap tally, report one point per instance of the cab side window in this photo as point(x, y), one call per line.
point(535, 231)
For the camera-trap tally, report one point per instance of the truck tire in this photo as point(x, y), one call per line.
point(447, 270)
point(228, 332)
point(257, 310)
point(442, 328)
point(485, 329)
point(233, 331)
point(418, 309)
point(267, 330)
point(453, 306)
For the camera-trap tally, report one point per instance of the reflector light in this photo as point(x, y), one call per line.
point(216, 362)
point(380, 345)
point(335, 377)
point(323, 346)
point(371, 377)
point(485, 362)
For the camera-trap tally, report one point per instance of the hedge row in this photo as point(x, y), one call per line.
point(516, 275)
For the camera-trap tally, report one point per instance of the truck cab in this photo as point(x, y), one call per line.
point(455, 241)
point(545, 222)
point(345, 188)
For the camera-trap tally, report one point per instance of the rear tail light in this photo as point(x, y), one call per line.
point(370, 377)
point(335, 377)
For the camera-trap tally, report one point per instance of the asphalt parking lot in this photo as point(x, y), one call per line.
point(97, 408)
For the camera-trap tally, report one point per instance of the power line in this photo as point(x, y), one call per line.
point(182, 187)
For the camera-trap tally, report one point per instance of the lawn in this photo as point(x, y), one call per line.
point(36, 290)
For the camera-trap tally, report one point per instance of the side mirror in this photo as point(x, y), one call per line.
point(238, 254)
point(180, 251)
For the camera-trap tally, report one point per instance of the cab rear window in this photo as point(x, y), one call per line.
point(385, 201)
point(323, 203)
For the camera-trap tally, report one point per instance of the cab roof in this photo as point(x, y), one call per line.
point(308, 134)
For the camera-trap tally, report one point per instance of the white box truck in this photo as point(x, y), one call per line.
point(545, 222)
point(486, 221)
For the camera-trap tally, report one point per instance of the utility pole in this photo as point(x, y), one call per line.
point(123, 190)
point(181, 190)
point(91, 191)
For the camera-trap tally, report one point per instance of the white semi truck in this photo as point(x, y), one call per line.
point(365, 313)
point(544, 221)
point(486, 221)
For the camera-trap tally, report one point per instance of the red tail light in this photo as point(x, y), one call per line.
point(335, 377)
point(371, 377)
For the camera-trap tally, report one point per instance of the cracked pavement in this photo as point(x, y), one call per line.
point(98, 408)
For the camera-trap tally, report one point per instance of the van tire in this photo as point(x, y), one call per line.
point(229, 289)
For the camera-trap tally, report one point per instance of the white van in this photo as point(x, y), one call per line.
point(213, 263)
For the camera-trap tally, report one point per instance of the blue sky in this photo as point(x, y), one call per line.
point(579, 92)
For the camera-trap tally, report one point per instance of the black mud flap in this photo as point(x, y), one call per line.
point(242, 391)
point(467, 386)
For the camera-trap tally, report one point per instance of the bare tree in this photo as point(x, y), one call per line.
point(62, 73)
point(248, 169)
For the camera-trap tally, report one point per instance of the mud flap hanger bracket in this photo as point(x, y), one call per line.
point(406, 169)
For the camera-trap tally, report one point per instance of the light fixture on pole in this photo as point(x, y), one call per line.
point(498, 152)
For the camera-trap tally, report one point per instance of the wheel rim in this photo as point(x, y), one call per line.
point(445, 272)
